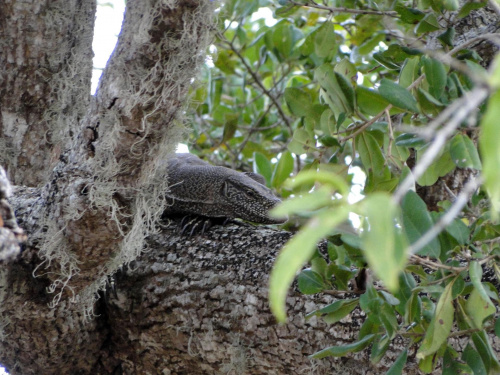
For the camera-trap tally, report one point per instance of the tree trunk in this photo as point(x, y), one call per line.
point(90, 180)
point(188, 305)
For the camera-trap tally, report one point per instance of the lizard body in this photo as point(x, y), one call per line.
point(199, 188)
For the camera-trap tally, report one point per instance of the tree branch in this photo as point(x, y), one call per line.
point(458, 110)
point(448, 217)
point(312, 4)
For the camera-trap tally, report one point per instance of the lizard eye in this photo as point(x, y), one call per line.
point(251, 193)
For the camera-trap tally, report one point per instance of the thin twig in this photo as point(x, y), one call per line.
point(380, 114)
point(312, 4)
point(258, 81)
point(364, 126)
point(449, 216)
point(489, 37)
point(415, 259)
point(462, 107)
point(495, 6)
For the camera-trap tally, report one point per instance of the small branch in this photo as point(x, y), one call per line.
point(312, 4)
point(490, 37)
point(495, 6)
point(380, 114)
point(366, 125)
point(257, 81)
point(453, 334)
point(448, 217)
point(391, 134)
point(415, 259)
point(458, 111)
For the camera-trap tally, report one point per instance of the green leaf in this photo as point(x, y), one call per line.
point(391, 300)
point(298, 101)
point(379, 348)
point(286, 11)
point(451, 366)
point(370, 153)
point(409, 15)
point(447, 37)
point(473, 359)
point(428, 24)
point(494, 79)
point(387, 315)
point(336, 311)
point(296, 252)
point(413, 309)
point(409, 72)
point(340, 351)
point(383, 244)
point(325, 40)
point(230, 126)
point(386, 61)
point(481, 305)
point(399, 364)
point(468, 7)
point(397, 95)
point(306, 177)
point(417, 221)
point(490, 152)
point(488, 355)
point(328, 141)
point(428, 104)
point(409, 140)
point(370, 101)
point(464, 152)
point(440, 326)
point(479, 72)
point(310, 282)
point(426, 365)
point(497, 327)
point(336, 306)
point(301, 142)
point(346, 68)
point(283, 39)
point(283, 169)
point(435, 74)
point(262, 166)
point(439, 168)
point(478, 309)
point(328, 122)
point(370, 44)
point(451, 5)
point(406, 285)
point(342, 276)
point(304, 203)
point(336, 90)
point(225, 63)
point(458, 287)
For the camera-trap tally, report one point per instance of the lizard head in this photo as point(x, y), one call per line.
point(250, 199)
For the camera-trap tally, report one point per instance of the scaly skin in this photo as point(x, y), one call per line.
point(199, 188)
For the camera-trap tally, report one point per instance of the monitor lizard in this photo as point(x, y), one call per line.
point(199, 189)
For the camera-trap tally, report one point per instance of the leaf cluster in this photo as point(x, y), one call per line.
point(328, 92)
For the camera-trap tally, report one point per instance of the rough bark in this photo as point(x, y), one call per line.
point(45, 50)
point(187, 306)
point(11, 235)
point(105, 193)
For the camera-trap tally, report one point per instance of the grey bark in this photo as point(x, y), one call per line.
point(189, 305)
point(45, 50)
point(186, 306)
